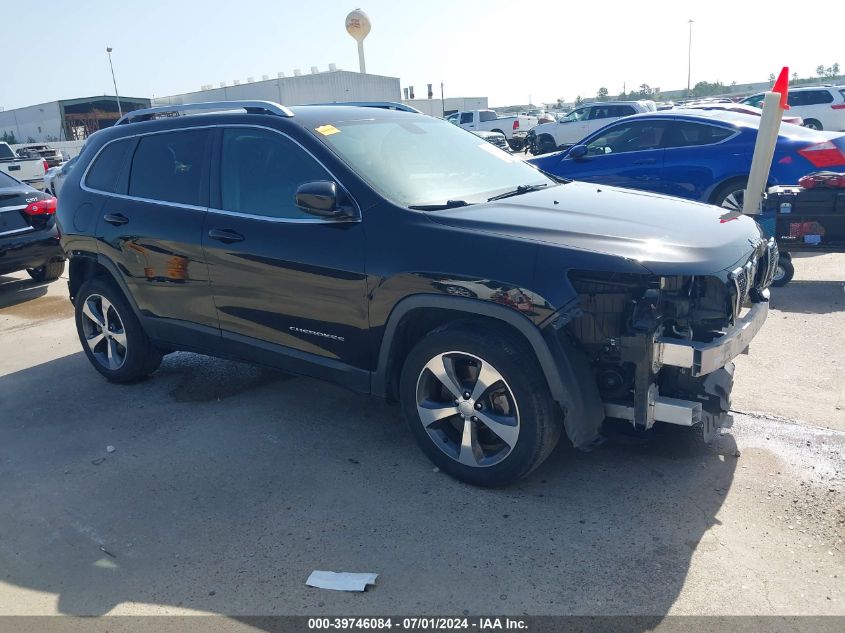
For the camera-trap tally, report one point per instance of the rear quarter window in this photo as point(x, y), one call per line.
point(105, 171)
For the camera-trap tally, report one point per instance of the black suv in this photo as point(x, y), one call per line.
point(400, 256)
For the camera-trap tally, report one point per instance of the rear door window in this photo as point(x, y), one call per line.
point(466, 117)
point(688, 134)
point(631, 137)
point(104, 174)
point(172, 167)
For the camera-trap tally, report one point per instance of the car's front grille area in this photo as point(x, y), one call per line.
point(756, 275)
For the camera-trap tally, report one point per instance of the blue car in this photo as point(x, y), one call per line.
point(704, 157)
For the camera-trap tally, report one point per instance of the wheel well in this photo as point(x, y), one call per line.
point(420, 322)
point(499, 131)
point(83, 269)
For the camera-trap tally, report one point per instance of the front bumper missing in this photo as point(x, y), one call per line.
point(704, 358)
point(662, 409)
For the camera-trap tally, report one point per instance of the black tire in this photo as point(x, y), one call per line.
point(784, 272)
point(813, 124)
point(538, 418)
point(730, 194)
point(545, 144)
point(48, 272)
point(139, 357)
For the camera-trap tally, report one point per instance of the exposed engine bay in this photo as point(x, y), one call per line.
point(639, 333)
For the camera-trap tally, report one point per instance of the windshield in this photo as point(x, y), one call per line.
point(419, 160)
point(576, 115)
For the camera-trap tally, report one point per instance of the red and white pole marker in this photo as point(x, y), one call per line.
point(774, 103)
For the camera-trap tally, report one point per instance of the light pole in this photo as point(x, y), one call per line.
point(116, 94)
point(689, 58)
point(442, 101)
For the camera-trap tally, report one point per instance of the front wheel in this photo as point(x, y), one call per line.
point(478, 405)
point(111, 335)
point(784, 272)
point(812, 124)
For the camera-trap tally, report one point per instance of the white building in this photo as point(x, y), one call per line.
point(302, 89)
point(436, 107)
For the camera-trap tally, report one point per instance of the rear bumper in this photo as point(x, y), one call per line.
point(704, 358)
point(29, 250)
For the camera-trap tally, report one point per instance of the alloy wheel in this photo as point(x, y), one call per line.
point(104, 333)
point(467, 409)
point(734, 200)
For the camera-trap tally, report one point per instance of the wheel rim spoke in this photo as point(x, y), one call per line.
point(120, 337)
point(106, 305)
point(469, 443)
point(487, 377)
point(95, 340)
point(443, 369)
point(111, 351)
point(505, 428)
point(89, 310)
point(432, 412)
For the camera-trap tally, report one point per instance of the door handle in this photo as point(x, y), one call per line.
point(115, 219)
point(227, 236)
point(645, 161)
point(14, 167)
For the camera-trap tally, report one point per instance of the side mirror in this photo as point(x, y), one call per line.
point(578, 152)
point(321, 198)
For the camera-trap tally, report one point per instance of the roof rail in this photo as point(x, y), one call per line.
point(384, 105)
point(252, 107)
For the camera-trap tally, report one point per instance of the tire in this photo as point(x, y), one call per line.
point(784, 272)
point(730, 195)
point(48, 272)
point(512, 394)
point(545, 144)
point(125, 354)
point(813, 124)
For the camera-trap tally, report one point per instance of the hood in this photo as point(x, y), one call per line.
point(666, 235)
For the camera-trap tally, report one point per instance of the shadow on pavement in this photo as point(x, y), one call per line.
point(14, 290)
point(809, 297)
point(226, 500)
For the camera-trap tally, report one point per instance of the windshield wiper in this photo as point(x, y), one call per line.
point(449, 204)
point(521, 189)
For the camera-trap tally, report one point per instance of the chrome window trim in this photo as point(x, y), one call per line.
point(16, 231)
point(15, 208)
point(210, 209)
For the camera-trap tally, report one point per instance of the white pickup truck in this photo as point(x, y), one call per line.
point(28, 170)
point(569, 130)
point(514, 127)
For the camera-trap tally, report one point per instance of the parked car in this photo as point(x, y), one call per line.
point(821, 107)
point(52, 156)
point(335, 243)
point(27, 170)
point(496, 138)
point(513, 127)
point(55, 177)
point(691, 155)
point(551, 137)
point(706, 106)
point(29, 239)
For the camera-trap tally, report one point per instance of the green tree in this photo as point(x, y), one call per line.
point(601, 95)
point(772, 78)
point(794, 77)
point(578, 101)
point(820, 70)
point(9, 137)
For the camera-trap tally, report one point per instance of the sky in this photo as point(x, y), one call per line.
point(508, 51)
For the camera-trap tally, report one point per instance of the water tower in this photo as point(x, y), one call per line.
point(358, 26)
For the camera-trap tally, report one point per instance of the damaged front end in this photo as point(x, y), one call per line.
point(661, 348)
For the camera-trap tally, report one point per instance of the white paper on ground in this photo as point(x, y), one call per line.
point(340, 581)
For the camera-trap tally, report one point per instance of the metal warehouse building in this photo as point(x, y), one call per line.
point(66, 120)
point(317, 87)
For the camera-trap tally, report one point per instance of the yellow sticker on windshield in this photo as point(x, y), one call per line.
point(327, 130)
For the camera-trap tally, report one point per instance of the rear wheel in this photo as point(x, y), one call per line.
point(478, 404)
point(730, 195)
point(111, 335)
point(783, 272)
point(813, 124)
point(47, 272)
